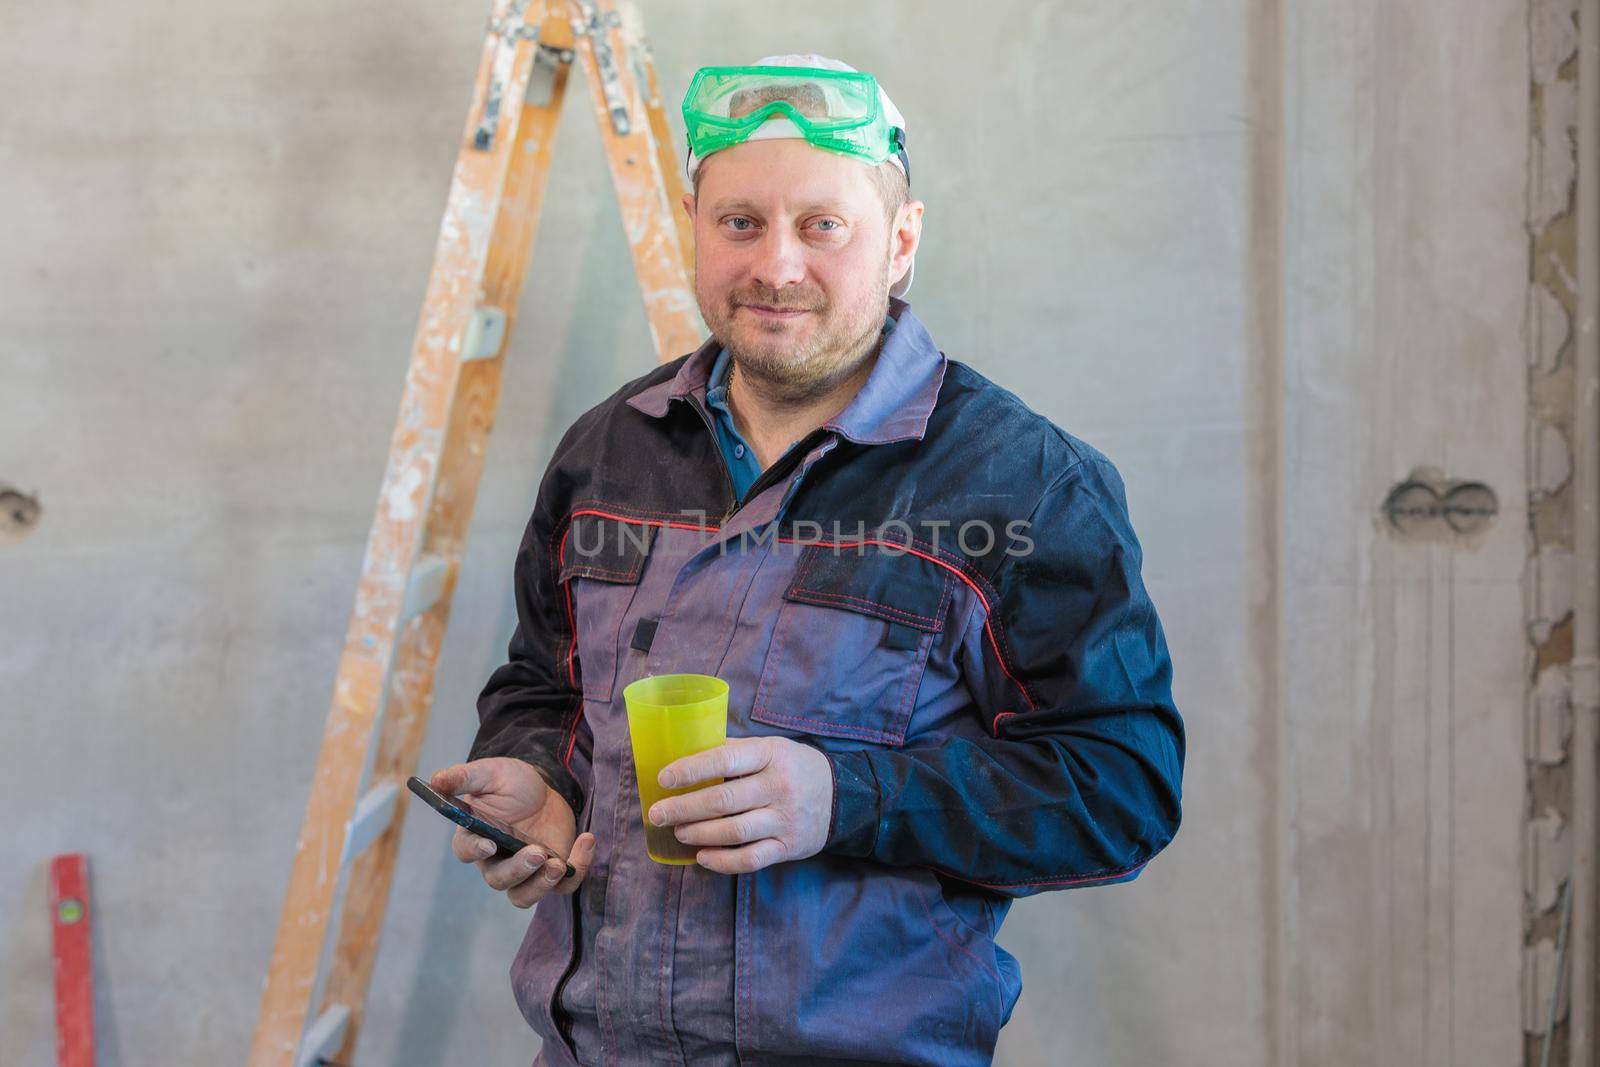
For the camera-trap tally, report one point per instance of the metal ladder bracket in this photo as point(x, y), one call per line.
point(425, 587)
point(374, 813)
point(511, 29)
point(596, 25)
point(547, 61)
point(485, 335)
point(324, 1037)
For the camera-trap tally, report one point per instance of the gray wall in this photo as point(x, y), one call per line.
point(1266, 255)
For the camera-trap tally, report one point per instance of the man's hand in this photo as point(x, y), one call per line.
point(775, 805)
point(514, 792)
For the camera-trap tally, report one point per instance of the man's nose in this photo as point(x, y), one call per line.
point(780, 261)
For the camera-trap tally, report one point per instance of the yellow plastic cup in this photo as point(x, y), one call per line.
point(671, 716)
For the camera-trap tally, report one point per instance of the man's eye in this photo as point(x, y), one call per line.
point(740, 224)
point(828, 225)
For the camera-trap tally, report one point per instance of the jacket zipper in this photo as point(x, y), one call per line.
point(773, 474)
point(563, 1024)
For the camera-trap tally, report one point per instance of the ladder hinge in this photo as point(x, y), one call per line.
point(511, 29)
point(605, 60)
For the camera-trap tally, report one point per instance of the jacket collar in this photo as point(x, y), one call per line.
point(892, 405)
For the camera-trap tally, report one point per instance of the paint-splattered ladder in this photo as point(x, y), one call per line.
point(328, 936)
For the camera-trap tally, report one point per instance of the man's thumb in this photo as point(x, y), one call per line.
point(461, 778)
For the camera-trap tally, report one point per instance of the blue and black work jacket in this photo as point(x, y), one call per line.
point(938, 589)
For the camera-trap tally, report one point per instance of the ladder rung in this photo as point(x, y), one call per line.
point(427, 582)
point(324, 1037)
point(374, 812)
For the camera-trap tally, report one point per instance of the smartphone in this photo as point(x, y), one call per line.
point(463, 814)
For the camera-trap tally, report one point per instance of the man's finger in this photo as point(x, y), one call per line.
point(739, 755)
point(544, 880)
point(751, 857)
point(513, 870)
point(735, 830)
point(726, 798)
point(552, 878)
point(468, 846)
point(582, 858)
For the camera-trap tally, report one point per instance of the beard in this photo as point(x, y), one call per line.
point(797, 359)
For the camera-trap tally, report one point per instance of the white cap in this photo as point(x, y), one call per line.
point(776, 128)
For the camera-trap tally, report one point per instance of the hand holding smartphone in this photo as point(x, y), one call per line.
point(469, 818)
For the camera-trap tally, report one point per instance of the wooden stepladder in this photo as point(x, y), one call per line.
point(327, 939)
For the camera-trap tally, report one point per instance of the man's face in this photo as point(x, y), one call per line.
point(792, 261)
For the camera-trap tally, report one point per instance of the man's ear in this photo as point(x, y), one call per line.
point(688, 205)
point(905, 239)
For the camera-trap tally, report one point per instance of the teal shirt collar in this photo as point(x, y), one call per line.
point(743, 467)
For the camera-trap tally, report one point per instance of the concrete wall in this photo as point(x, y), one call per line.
point(1267, 254)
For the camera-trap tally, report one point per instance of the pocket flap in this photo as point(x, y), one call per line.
point(895, 586)
point(605, 549)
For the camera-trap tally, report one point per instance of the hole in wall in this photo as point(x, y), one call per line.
point(1426, 506)
point(19, 513)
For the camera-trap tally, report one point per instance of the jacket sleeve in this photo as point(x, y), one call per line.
point(530, 708)
point(1077, 778)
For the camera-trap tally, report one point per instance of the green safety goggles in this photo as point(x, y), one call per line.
point(838, 110)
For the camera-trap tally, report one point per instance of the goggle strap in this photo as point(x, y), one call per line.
point(897, 142)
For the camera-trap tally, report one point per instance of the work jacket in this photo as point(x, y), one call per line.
point(939, 590)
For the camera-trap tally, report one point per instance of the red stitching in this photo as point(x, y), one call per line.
point(908, 690)
point(777, 658)
point(895, 734)
point(779, 637)
point(657, 518)
point(988, 618)
point(572, 629)
point(798, 586)
point(910, 618)
point(902, 720)
point(558, 566)
point(908, 700)
point(869, 734)
point(808, 560)
point(583, 569)
point(572, 623)
point(943, 556)
point(572, 733)
point(994, 727)
point(580, 568)
point(953, 944)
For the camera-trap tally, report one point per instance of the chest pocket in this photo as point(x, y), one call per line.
point(851, 642)
point(602, 560)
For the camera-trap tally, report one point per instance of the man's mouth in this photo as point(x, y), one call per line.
point(768, 312)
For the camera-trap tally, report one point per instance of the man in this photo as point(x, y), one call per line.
point(948, 687)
